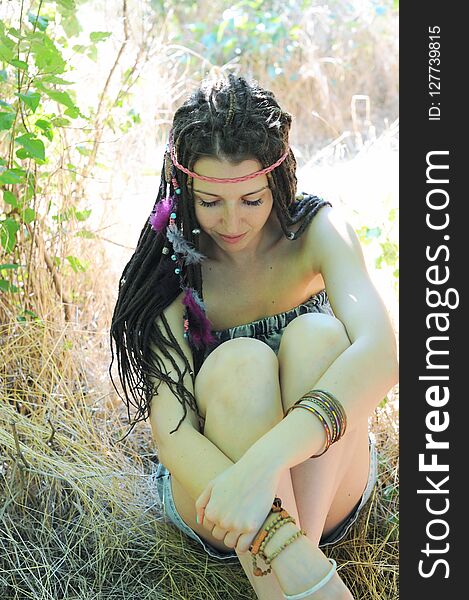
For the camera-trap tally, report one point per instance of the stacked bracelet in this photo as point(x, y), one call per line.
point(266, 534)
point(336, 422)
point(337, 407)
point(321, 418)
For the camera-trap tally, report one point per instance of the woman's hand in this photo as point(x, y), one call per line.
point(234, 505)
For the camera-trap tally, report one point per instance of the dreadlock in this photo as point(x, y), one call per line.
point(230, 119)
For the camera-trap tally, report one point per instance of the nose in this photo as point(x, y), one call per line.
point(232, 221)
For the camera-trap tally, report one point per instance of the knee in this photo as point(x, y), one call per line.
point(236, 364)
point(315, 329)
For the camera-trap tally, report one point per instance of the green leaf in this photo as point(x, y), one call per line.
point(47, 57)
point(3, 75)
point(46, 128)
point(40, 21)
point(82, 215)
point(383, 402)
point(60, 122)
point(54, 79)
point(92, 53)
point(84, 233)
point(6, 120)
point(30, 313)
point(6, 286)
point(9, 266)
point(68, 5)
point(6, 53)
point(71, 213)
point(80, 48)
point(72, 112)
point(16, 33)
point(12, 176)
point(19, 64)
point(99, 36)
point(76, 264)
point(60, 97)
point(10, 198)
point(31, 99)
point(33, 147)
point(8, 229)
point(28, 215)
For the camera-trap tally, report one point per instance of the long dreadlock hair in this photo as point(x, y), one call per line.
point(229, 119)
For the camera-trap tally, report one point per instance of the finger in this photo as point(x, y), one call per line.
point(202, 502)
point(219, 533)
point(207, 524)
point(231, 539)
point(244, 542)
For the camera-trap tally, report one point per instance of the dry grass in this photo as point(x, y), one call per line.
point(79, 519)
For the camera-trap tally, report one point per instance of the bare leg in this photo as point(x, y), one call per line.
point(240, 393)
point(242, 398)
point(326, 488)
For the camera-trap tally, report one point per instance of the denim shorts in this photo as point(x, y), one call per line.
point(161, 479)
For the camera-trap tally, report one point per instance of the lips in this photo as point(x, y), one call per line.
point(232, 239)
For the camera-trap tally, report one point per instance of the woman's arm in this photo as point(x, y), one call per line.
point(362, 375)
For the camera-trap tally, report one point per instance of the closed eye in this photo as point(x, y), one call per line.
point(215, 202)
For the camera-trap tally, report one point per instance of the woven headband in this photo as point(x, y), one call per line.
point(223, 179)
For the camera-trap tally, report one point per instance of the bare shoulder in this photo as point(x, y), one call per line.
point(175, 311)
point(330, 237)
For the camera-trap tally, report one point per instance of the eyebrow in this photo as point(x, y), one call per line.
point(217, 196)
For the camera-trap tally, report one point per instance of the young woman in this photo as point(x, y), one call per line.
point(243, 302)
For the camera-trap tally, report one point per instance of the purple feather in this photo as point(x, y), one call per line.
point(199, 325)
point(160, 214)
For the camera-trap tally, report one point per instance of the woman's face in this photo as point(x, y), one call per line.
point(232, 209)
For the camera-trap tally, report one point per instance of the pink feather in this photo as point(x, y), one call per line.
point(160, 214)
point(199, 325)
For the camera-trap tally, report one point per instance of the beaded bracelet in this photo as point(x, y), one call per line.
point(265, 534)
point(272, 529)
